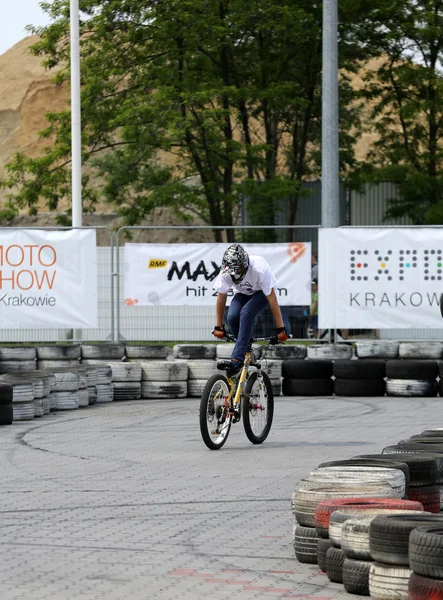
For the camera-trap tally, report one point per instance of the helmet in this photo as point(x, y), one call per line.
point(235, 262)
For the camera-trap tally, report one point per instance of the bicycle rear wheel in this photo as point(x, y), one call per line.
point(258, 408)
point(215, 418)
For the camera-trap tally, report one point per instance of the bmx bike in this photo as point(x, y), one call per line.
point(226, 399)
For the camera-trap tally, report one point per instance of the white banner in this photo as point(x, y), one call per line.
point(380, 277)
point(183, 274)
point(47, 279)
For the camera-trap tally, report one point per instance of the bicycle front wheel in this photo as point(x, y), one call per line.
point(215, 417)
point(258, 408)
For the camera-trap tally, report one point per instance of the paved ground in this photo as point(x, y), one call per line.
point(123, 501)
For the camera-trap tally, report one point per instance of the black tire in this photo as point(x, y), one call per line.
point(372, 462)
point(356, 576)
point(308, 387)
point(411, 369)
point(307, 369)
point(426, 551)
point(305, 544)
point(335, 559)
point(425, 588)
point(6, 393)
point(6, 414)
point(281, 351)
point(389, 536)
point(422, 470)
point(429, 496)
point(205, 412)
point(359, 369)
point(323, 546)
point(356, 388)
point(251, 411)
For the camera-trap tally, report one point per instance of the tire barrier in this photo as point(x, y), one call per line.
point(154, 352)
point(388, 582)
point(330, 351)
point(376, 349)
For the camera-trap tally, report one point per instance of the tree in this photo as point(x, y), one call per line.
point(405, 94)
point(192, 104)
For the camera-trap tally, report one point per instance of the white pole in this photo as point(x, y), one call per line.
point(330, 183)
point(76, 148)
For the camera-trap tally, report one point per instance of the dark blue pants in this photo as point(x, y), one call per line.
point(241, 316)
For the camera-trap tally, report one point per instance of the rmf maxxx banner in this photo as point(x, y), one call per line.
point(48, 279)
point(183, 274)
point(382, 277)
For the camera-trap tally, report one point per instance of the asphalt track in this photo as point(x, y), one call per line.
point(123, 501)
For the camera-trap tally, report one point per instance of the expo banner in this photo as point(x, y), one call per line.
point(380, 277)
point(48, 279)
point(183, 274)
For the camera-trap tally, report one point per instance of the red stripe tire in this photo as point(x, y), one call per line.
point(425, 588)
point(327, 507)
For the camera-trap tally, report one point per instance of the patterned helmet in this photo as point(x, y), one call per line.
point(235, 262)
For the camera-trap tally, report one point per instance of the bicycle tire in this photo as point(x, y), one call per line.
point(205, 408)
point(247, 408)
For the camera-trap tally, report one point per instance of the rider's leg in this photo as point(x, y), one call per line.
point(254, 306)
point(233, 316)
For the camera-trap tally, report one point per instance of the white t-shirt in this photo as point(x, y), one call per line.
point(258, 277)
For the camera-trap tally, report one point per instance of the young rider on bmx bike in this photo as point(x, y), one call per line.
point(254, 288)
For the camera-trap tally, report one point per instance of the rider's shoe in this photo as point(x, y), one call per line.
point(232, 367)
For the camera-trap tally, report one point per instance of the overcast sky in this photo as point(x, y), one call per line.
point(14, 16)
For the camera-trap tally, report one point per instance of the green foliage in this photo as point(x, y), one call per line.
point(189, 104)
point(406, 98)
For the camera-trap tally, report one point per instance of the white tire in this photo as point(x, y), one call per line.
point(39, 411)
point(420, 350)
point(194, 351)
point(103, 351)
point(155, 352)
point(164, 389)
point(196, 387)
point(66, 381)
point(355, 538)
point(224, 350)
point(388, 583)
point(394, 477)
point(285, 351)
point(102, 369)
point(83, 396)
point(411, 387)
point(127, 390)
point(24, 411)
point(330, 351)
point(105, 393)
point(46, 405)
point(126, 371)
point(49, 365)
point(199, 369)
point(58, 352)
point(164, 370)
point(37, 387)
point(272, 367)
point(16, 353)
point(68, 400)
point(376, 349)
point(16, 366)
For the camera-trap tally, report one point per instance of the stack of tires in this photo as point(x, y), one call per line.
point(17, 359)
point(426, 562)
point(126, 380)
point(391, 543)
point(164, 379)
point(101, 355)
point(307, 377)
point(65, 393)
point(359, 377)
point(427, 485)
point(199, 371)
point(22, 397)
point(57, 355)
point(273, 359)
point(6, 410)
point(415, 378)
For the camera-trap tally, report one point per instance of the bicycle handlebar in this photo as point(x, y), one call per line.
point(272, 339)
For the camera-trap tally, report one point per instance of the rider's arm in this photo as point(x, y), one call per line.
point(220, 309)
point(275, 308)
